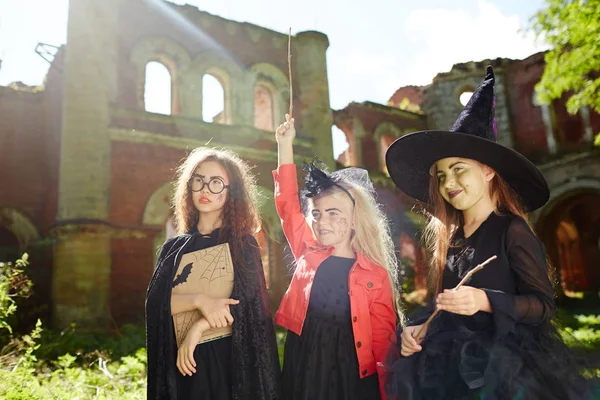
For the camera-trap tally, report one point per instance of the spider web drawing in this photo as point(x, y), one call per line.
point(183, 323)
point(195, 273)
point(219, 263)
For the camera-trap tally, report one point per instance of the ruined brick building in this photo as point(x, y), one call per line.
point(86, 170)
point(560, 144)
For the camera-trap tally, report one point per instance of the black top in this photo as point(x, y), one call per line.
point(329, 293)
point(517, 282)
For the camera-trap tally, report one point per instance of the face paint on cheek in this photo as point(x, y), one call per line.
point(221, 197)
point(343, 224)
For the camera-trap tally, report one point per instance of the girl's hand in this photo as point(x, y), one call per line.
point(410, 345)
point(466, 300)
point(285, 133)
point(185, 354)
point(216, 311)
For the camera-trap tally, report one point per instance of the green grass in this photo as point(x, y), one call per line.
point(68, 365)
point(580, 329)
point(72, 366)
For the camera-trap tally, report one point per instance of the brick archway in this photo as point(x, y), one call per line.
point(570, 229)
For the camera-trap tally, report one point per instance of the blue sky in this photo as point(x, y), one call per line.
point(376, 46)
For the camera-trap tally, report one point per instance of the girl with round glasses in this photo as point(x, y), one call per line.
point(215, 184)
point(214, 204)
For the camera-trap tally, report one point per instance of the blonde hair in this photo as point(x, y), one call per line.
point(445, 220)
point(372, 237)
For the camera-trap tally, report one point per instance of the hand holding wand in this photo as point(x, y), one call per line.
point(464, 280)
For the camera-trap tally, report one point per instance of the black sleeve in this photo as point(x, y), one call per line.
point(160, 336)
point(165, 249)
point(534, 302)
point(254, 348)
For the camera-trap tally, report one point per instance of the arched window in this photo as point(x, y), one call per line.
point(157, 89)
point(263, 107)
point(465, 97)
point(340, 146)
point(213, 100)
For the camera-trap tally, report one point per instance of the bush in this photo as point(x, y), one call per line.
point(579, 330)
point(13, 283)
point(65, 365)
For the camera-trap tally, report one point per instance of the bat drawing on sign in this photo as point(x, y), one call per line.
point(182, 277)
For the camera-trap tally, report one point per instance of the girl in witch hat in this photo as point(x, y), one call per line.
point(340, 306)
point(492, 338)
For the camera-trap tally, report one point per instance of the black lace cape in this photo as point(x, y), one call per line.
point(256, 372)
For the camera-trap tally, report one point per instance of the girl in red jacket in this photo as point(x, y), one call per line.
point(340, 306)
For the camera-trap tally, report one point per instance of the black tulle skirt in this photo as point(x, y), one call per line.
point(322, 364)
point(462, 359)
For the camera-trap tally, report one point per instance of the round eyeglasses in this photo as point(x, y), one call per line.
point(215, 185)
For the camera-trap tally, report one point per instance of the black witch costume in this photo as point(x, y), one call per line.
point(514, 352)
point(243, 366)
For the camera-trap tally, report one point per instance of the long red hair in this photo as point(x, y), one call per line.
point(240, 216)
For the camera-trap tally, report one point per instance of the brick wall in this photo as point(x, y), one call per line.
point(528, 129)
point(28, 156)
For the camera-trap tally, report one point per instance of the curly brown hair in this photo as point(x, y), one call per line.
point(240, 216)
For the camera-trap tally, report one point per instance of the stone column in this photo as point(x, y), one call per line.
point(548, 124)
point(82, 262)
point(547, 118)
point(310, 80)
point(588, 135)
point(359, 135)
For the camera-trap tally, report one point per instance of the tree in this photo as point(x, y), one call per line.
point(572, 29)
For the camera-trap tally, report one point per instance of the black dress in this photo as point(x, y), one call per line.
point(321, 363)
point(212, 380)
point(513, 352)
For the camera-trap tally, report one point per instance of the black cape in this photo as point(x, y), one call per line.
point(256, 371)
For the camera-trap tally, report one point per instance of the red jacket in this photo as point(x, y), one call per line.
point(371, 300)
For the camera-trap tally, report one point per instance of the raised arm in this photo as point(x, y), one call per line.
point(285, 135)
point(287, 201)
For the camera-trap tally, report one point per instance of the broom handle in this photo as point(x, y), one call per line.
point(291, 109)
point(462, 282)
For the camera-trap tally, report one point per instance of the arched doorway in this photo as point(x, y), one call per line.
point(571, 233)
point(17, 232)
point(10, 249)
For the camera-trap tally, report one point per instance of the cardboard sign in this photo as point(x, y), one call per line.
point(208, 271)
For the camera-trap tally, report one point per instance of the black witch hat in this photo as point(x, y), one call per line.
point(410, 158)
